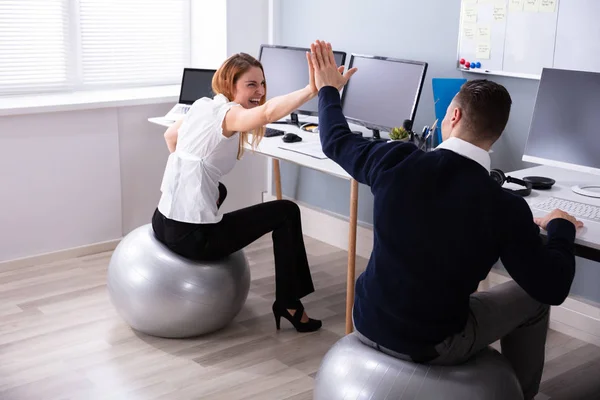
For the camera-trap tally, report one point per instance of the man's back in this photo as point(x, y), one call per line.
point(440, 223)
point(438, 227)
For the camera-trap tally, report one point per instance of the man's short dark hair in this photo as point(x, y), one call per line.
point(485, 108)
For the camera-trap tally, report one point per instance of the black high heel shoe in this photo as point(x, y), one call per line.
point(310, 326)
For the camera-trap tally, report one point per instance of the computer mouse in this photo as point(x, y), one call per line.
point(291, 138)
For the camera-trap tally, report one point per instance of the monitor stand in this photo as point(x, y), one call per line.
point(293, 120)
point(587, 190)
point(376, 136)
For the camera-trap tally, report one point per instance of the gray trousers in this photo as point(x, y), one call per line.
point(506, 313)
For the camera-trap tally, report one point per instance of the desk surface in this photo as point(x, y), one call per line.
point(161, 121)
point(589, 235)
point(269, 146)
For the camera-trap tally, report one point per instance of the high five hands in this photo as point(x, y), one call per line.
point(322, 65)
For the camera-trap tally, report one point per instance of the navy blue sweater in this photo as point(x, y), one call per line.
point(440, 223)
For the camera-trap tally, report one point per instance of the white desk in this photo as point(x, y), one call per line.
point(587, 240)
point(270, 148)
point(161, 121)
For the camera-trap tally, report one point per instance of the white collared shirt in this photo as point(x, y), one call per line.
point(467, 150)
point(190, 185)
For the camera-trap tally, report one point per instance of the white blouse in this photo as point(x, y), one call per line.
point(201, 158)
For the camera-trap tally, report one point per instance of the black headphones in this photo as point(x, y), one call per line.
point(499, 177)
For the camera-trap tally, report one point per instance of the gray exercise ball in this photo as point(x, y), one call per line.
point(160, 293)
point(353, 371)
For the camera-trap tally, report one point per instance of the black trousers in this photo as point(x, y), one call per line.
point(238, 229)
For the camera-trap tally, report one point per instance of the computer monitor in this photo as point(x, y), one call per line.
point(195, 84)
point(564, 130)
point(383, 93)
point(286, 70)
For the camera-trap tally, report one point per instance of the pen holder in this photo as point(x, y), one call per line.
point(426, 141)
point(429, 142)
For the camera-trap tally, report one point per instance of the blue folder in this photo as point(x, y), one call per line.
point(444, 90)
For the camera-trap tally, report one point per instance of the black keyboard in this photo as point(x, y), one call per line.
point(270, 132)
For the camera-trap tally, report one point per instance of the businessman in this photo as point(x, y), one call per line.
point(440, 224)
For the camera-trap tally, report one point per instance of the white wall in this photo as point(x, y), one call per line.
point(60, 181)
point(247, 26)
point(233, 26)
point(76, 178)
point(209, 19)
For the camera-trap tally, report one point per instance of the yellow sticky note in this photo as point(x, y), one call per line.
point(499, 12)
point(470, 14)
point(484, 34)
point(515, 5)
point(469, 31)
point(483, 51)
point(531, 6)
point(547, 5)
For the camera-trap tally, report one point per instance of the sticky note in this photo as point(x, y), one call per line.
point(483, 51)
point(470, 14)
point(547, 5)
point(515, 5)
point(469, 31)
point(531, 6)
point(499, 12)
point(484, 34)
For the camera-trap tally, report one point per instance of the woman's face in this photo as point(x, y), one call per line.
point(250, 88)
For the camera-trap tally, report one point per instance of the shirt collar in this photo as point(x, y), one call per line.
point(467, 150)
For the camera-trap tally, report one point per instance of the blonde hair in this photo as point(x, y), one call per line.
point(224, 81)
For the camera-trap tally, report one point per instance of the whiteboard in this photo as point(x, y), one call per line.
point(521, 37)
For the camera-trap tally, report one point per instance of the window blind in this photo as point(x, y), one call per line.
point(33, 45)
point(66, 45)
point(133, 42)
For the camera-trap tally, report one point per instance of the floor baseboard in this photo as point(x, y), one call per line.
point(60, 255)
point(573, 317)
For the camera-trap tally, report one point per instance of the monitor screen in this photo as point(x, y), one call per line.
point(195, 84)
point(565, 127)
point(286, 70)
point(384, 92)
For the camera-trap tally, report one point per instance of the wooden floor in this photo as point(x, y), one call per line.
point(60, 338)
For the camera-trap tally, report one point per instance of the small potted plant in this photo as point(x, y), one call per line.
point(399, 134)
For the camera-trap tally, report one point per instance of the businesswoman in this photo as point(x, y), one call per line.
point(204, 147)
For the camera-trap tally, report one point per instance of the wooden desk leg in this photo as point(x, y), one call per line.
point(277, 177)
point(351, 254)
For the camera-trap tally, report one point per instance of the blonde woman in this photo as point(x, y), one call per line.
point(204, 147)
